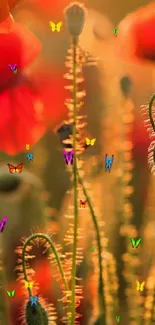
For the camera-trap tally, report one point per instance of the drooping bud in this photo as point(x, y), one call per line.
point(36, 315)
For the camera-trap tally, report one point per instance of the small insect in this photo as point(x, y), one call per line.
point(29, 156)
point(2, 224)
point(140, 287)
point(115, 31)
point(33, 300)
point(55, 27)
point(15, 169)
point(108, 162)
point(68, 157)
point(11, 294)
point(117, 319)
point(27, 146)
point(13, 68)
point(28, 285)
point(135, 243)
point(90, 142)
point(83, 204)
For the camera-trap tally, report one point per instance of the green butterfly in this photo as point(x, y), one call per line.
point(11, 294)
point(135, 243)
point(117, 319)
point(115, 31)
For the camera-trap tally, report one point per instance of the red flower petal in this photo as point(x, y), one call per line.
point(136, 35)
point(50, 84)
point(21, 120)
point(19, 46)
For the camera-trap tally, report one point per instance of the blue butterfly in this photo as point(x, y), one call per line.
point(29, 157)
point(108, 162)
point(33, 300)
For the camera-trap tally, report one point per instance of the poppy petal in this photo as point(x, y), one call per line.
point(21, 121)
point(50, 85)
point(19, 46)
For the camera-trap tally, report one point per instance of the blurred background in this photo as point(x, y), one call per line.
point(40, 197)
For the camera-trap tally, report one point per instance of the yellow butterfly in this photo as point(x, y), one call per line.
point(27, 146)
point(90, 142)
point(55, 27)
point(28, 285)
point(140, 287)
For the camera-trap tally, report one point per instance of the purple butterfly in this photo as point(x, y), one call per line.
point(12, 67)
point(2, 224)
point(68, 157)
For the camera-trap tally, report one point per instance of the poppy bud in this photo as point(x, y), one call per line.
point(36, 315)
point(75, 18)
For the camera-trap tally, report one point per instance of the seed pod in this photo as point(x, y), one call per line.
point(75, 18)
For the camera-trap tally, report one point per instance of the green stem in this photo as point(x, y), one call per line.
point(150, 111)
point(102, 303)
point(49, 240)
point(75, 183)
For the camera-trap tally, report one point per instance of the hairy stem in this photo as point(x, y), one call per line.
point(49, 240)
point(150, 111)
point(102, 304)
point(75, 183)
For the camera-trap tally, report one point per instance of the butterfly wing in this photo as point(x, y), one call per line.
point(138, 241)
point(31, 300)
point(92, 141)
point(12, 168)
point(35, 299)
point(19, 168)
point(138, 285)
point(132, 242)
point(12, 293)
point(87, 141)
point(106, 159)
point(9, 293)
point(142, 286)
point(30, 285)
point(53, 26)
point(58, 26)
point(10, 67)
point(26, 284)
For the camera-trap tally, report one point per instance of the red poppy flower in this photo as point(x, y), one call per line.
point(136, 34)
point(20, 121)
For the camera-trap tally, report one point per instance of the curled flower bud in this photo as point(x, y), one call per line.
point(36, 315)
point(75, 18)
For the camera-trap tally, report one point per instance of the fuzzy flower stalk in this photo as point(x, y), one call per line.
point(75, 20)
point(149, 112)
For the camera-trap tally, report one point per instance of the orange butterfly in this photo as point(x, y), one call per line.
point(15, 169)
point(83, 204)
